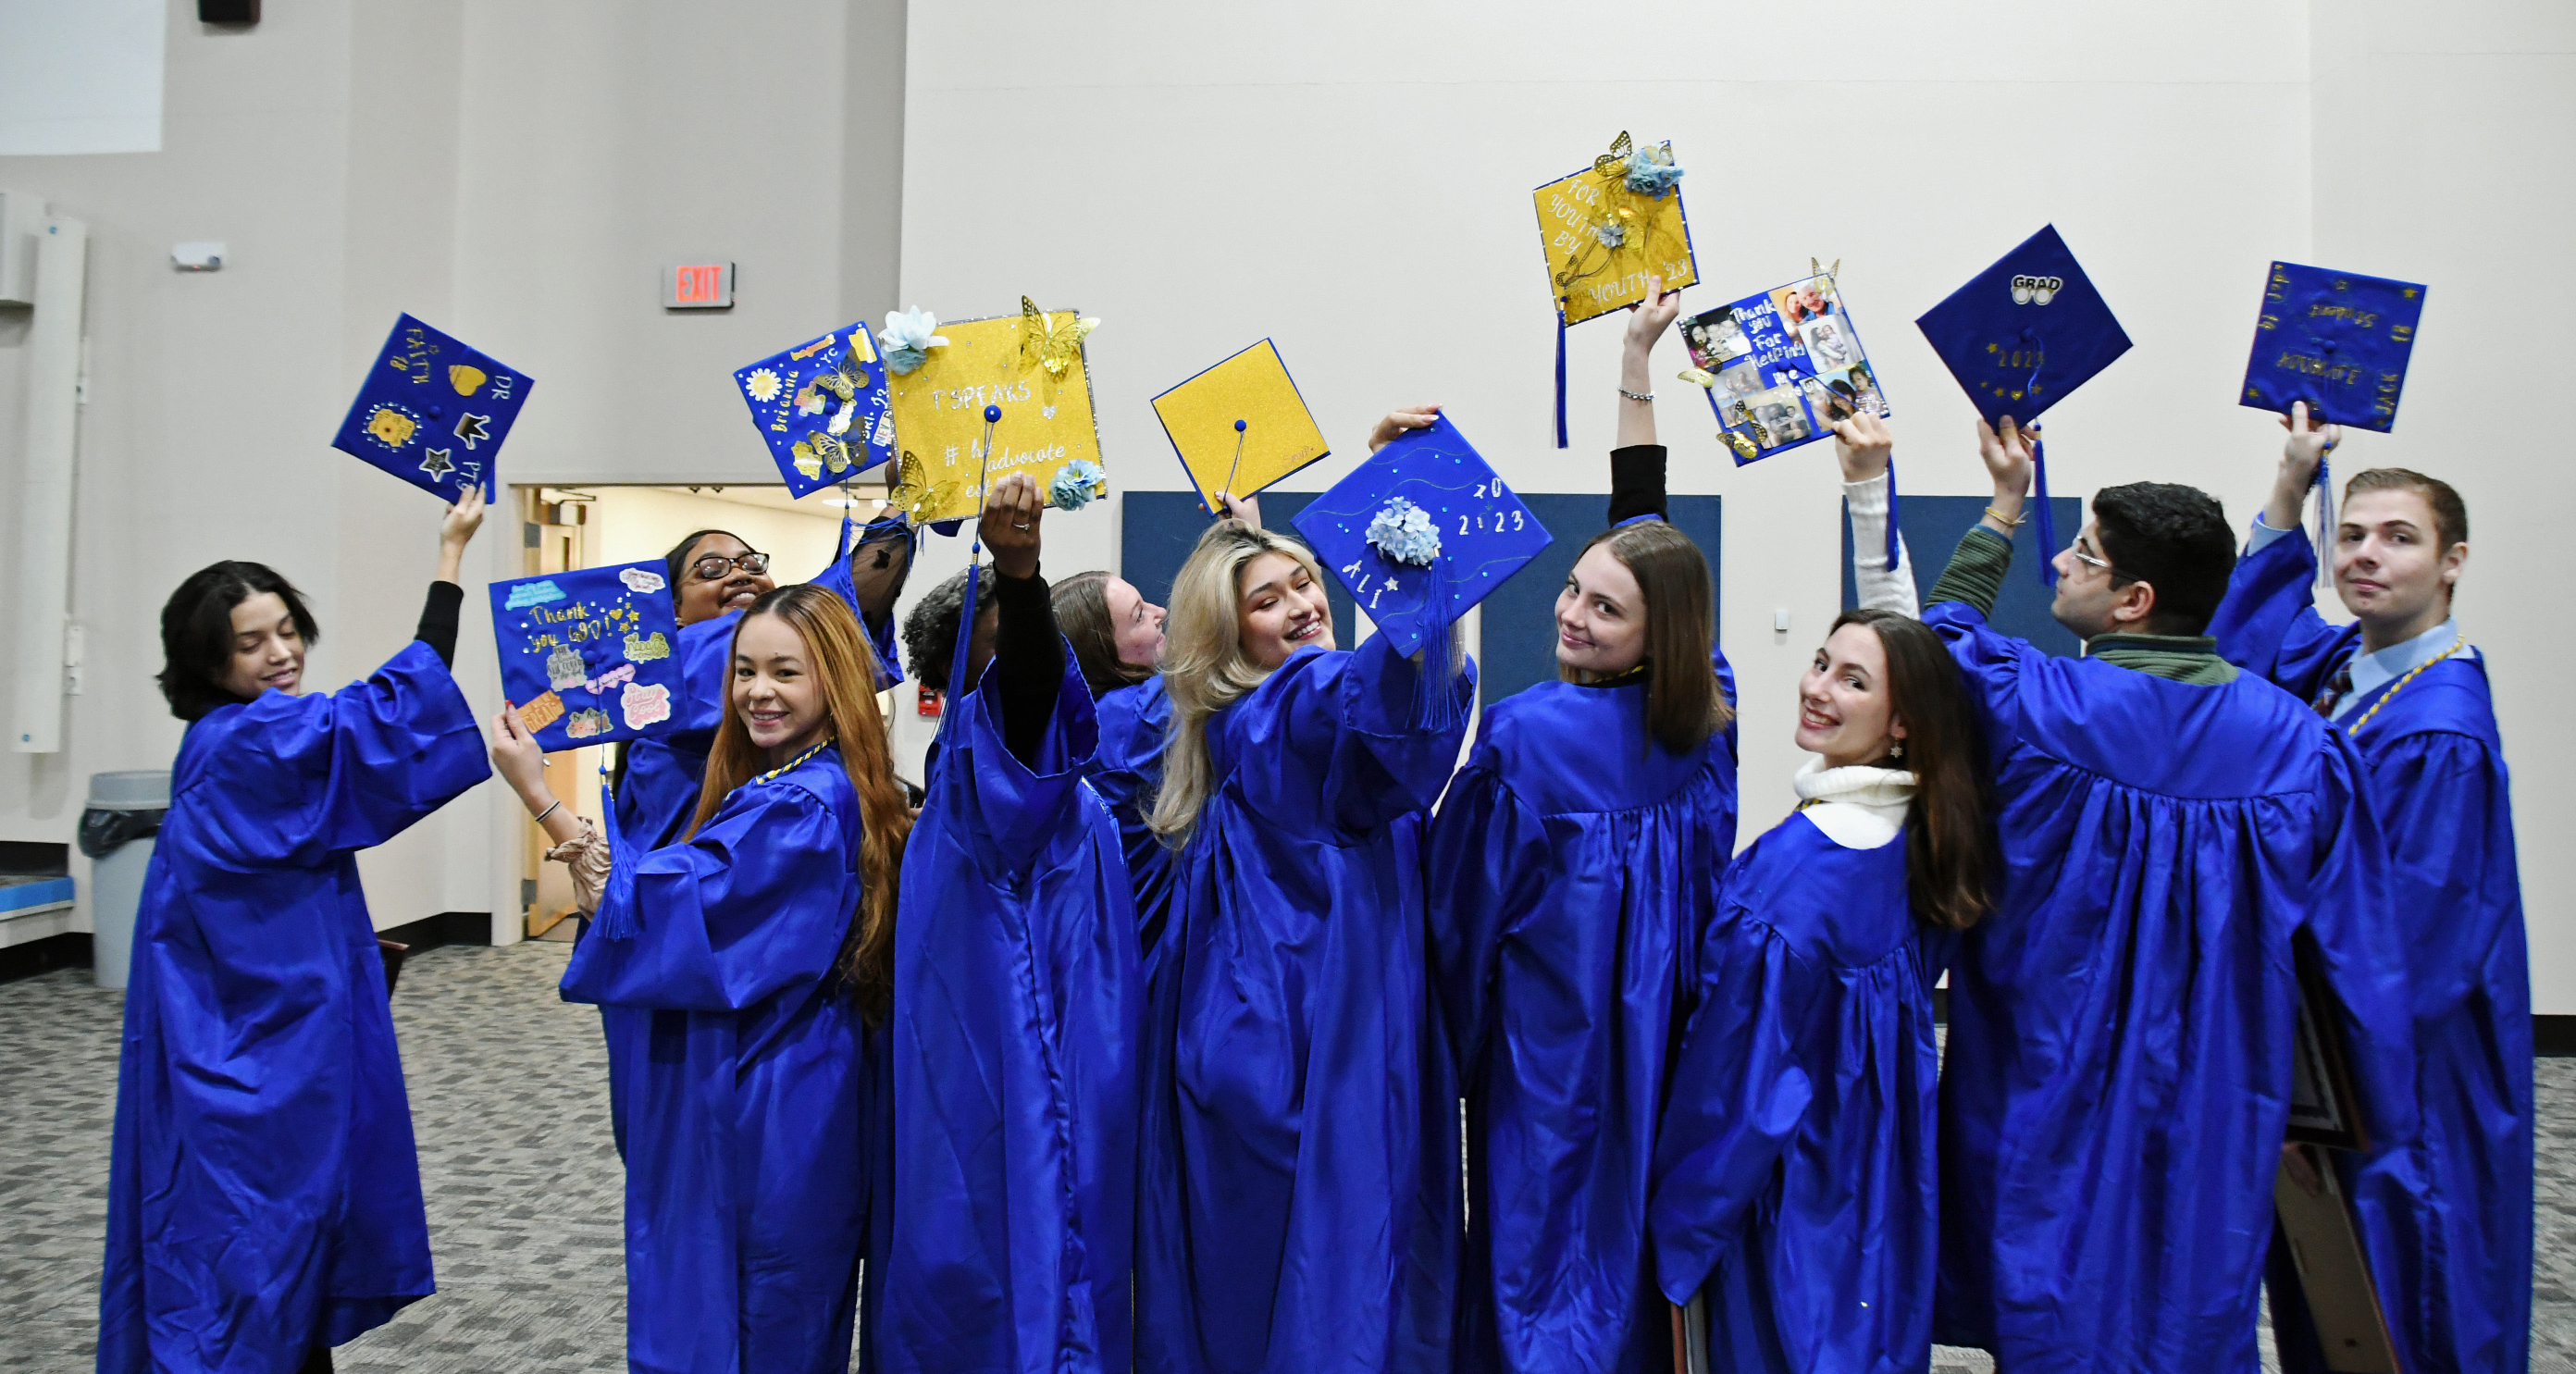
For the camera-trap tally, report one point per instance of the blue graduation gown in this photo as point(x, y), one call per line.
point(1018, 999)
point(2118, 1067)
point(747, 1124)
point(1794, 1177)
point(1127, 770)
point(263, 1192)
point(2458, 1298)
point(1571, 874)
point(1293, 994)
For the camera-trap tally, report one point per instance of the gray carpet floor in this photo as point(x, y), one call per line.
point(509, 1098)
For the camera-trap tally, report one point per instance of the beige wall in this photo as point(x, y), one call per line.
point(1355, 184)
point(517, 174)
point(1349, 179)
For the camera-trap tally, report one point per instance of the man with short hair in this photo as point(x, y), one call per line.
point(2405, 686)
point(2118, 1071)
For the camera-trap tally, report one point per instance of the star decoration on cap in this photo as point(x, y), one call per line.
point(438, 464)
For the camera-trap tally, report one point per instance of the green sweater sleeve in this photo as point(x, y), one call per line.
point(1976, 572)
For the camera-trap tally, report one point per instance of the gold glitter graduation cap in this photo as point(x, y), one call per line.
point(1240, 425)
point(1031, 367)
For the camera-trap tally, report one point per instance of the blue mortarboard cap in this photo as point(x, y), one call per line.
point(2334, 340)
point(433, 412)
point(1421, 532)
point(822, 408)
point(2024, 333)
point(589, 657)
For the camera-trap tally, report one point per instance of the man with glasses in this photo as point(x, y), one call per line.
point(2177, 838)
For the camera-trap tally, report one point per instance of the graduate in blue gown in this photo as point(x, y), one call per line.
point(1018, 998)
point(1571, 875)
point(1117, 639)
point(713, 574)
point(2405, 686)
point(264, 1196)
point(2176, 836)
point(1299, 1205)
point(768, 929)
point(1795, 1185)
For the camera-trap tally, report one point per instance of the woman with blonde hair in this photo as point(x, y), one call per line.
point(1299, 1197)
point(763, 943)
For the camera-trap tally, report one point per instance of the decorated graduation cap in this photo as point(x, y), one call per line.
point(1419, 534)
point(589, 656)
point(2338, 341)
point(1240, 426)
point(2020, 337)
point(433, 412)
point(1028, 371)
point(1604, 230)
point(822, 407)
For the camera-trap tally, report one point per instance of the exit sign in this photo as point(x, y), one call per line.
point(698, 286)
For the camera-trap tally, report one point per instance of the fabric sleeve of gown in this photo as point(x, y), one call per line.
point(297, 778)
point(438, 617)
point(1738, 1095)
point(1989, 660)
point(1030, 750)
point(758, 902)
point(1359, 756)
point(1028, 659)
point(2268, 624)
point(706, 667)
point(2443, 801)
point(1485, 869)
point(2361, 947)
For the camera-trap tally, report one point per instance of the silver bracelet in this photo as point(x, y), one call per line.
point(540, 817)
point(1649, 397)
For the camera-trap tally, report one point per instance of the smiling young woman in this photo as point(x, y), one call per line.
point(1117, 638)
point(762, 944)
point(1572, 873)
point(1288, 991)
point(264, 1198)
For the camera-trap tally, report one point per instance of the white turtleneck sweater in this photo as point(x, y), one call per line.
point(1857, 808)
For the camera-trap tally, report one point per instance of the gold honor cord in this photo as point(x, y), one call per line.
point(793, 764)
point(2384, 698)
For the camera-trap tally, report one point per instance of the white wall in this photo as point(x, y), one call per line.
point(1352, 179)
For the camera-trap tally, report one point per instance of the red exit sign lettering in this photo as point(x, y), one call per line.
point(698, 286)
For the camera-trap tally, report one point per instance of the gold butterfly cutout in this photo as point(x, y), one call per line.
point(818, 450)
point(1044, 344)
point(918, 497)
point(1614, 163)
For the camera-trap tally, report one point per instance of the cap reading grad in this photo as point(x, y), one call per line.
point(433, 412)
point(822, 407)
point(2020, 337)
point(1241, 425)
point(1418, 535)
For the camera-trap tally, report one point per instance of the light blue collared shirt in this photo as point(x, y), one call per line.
point(2371, 671)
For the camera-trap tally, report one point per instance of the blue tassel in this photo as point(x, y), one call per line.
point(1891, 512)
point(948, 708)
point(2047, 518)
point(1435, 699)
point(615, 919)
point(1560, 375)
point(2325, 522)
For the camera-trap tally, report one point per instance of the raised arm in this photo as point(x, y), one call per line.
point(1862, 445)
point(2308, 445)
point(1975, 576)
point(1028, 653)
point(1648, 320)
point(2268, 622)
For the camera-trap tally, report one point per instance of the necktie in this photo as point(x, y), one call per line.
point(2337, 688)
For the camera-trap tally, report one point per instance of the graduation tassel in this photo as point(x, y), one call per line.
point(1241, 427)
point(964, 648)
point(2047, 517)
point(1435, 703)
point(1891, 507)
point(1560, 374)
point(2325, 521)
point(843, 549)
point(615, 919)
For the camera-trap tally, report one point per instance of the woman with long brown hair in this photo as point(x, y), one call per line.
point(762, 941)
point(1572, 871)
point(1299, 1194)
point(1117, 638)
point(1793, 1173)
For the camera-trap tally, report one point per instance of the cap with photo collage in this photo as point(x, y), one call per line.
point(433, 412)
point(2020, 337)
point(1241, 425)
point(1418, 535)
